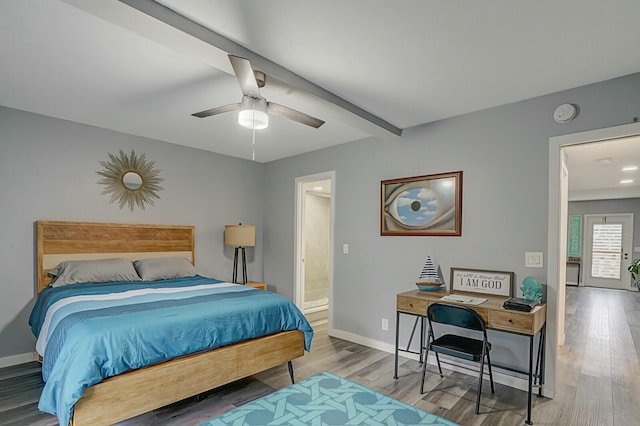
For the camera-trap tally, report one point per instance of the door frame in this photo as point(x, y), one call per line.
point(625, 276)
point(298, 269)
point(556, 226)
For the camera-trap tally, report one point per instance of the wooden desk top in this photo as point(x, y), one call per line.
point(496, 317)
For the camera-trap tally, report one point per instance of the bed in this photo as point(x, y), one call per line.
point(118, 395)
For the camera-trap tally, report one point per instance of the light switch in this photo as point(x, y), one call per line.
point(345, 249)
point(533, 259)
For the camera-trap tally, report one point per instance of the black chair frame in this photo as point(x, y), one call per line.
point(458, 346)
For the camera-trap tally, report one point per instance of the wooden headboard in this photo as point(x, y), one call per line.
point(60, 241)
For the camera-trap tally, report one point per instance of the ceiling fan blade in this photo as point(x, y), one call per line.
point(217, 110)
point(244, 74)
point(294, 115)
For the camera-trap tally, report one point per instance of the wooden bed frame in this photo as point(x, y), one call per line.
point(135, 392)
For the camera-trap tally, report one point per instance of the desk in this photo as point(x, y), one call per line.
point(528, 324)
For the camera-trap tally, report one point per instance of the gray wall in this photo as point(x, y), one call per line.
point(504, 154)
point(48, 172)
point(628, 205)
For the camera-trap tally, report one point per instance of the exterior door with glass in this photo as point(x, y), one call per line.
point(608, 245)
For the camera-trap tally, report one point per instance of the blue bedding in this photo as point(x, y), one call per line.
point(88, 332)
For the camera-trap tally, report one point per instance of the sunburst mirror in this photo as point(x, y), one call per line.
point(130, 180)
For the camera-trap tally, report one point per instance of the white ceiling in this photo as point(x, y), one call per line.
point(595, 169)
point(406, 62)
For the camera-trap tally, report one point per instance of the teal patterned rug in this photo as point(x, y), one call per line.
point(327, 399)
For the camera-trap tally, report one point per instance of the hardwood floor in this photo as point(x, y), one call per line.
point(598, 377)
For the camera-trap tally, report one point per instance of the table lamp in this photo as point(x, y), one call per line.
point(240, 236)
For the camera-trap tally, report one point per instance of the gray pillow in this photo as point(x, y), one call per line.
point(93, 271)
point(164, 268)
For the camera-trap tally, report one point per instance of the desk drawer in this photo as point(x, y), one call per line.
point(510, 320)
point(411, 304)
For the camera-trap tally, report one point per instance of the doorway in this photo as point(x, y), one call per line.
point(608, 245)
point(314, 242)
point(557, 227)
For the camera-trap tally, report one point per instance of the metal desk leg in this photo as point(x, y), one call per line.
point(543, 336)
point(539, 377)
point(528, 421)
point(413, 331)
point(422, 339)
point(395, 371)
point(537, 380)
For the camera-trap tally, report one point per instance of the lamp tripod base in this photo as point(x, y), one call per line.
point(239, 251)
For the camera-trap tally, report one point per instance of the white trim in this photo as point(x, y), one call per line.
point(361, 340)
point(556, 144)
point(8, 361)
point(502, 376)
point(314, 309)
point(298, 268)
point(563, 234)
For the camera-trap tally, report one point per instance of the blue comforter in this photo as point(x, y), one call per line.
point(88, 332)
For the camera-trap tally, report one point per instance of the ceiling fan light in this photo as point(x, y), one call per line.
point(253, 119)
point(253, 114)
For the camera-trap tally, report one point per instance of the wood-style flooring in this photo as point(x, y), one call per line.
point(598, 377)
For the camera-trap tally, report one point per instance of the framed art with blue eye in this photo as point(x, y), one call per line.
point(422, 205)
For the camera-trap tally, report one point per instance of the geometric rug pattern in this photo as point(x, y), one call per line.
point(327, 399)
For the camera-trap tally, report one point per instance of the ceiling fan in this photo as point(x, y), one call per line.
point(254, 109)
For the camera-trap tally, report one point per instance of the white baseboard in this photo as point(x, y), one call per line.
point(502, 376)
point(365, 341)
point(8, 361)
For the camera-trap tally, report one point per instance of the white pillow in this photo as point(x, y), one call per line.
point(93, 271)
point(164, 268)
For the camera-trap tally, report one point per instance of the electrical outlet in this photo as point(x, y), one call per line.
point(345, 249)
point(385, 324)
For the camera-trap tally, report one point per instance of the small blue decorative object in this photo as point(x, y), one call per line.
point(532, 289)
point(429, 287)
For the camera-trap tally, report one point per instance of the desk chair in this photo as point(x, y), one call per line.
point(455, 345)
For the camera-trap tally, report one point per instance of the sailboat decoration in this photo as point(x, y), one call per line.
point(429, 277)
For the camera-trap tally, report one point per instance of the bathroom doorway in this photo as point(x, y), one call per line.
point(314, 242)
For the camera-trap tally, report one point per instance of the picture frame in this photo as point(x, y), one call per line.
point(429, 205)
point(497, 283)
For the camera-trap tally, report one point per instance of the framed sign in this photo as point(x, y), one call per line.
point(422, 205)
point(497, 283)
point(574, 239)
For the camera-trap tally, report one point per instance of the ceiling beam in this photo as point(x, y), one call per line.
point(177, 21)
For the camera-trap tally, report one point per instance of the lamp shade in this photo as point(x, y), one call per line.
point(240, 235)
